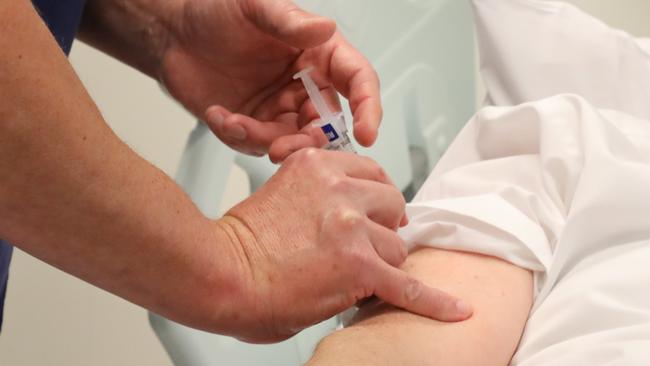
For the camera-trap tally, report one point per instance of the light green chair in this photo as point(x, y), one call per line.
point(424, 53)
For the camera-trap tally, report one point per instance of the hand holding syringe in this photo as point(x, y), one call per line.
point(333, 125)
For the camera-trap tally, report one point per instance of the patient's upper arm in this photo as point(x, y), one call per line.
point(500, 293)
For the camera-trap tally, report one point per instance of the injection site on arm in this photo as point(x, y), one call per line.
point(500, 293)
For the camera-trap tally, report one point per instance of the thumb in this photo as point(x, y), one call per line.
point(289, 23)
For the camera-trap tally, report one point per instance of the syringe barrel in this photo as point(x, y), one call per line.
point(337, 134)
point(333, 125)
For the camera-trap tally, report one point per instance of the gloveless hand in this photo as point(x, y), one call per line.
point(231, 63)
point(315, 240)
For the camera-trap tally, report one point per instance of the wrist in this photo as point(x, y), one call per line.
point(235, 311)
point(212, 297)
point(135, 32)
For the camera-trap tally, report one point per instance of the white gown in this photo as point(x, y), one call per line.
point(561, 185)
point(563, 189)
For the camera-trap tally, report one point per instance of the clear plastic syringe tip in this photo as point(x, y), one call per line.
point(314, 94)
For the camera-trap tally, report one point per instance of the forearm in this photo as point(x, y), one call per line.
point(76, 197)
point(500, 293)
point(133, 31)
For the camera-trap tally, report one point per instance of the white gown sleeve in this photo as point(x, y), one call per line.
point(508, 182)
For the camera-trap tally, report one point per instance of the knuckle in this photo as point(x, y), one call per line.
point(360, 257)
point(364, 291)
point(347, 218)
point(331, 181)
point(311, 155)
point(380, 173)
point(352, 253)
point(366, 160)
point(304, 157)
point(340, 184)
point(344, 227)
point(376, 171)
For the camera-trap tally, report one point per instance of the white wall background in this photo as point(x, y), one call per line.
point(55, 319)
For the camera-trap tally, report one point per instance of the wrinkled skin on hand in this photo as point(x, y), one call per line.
point(231, 63)
point(318, 238)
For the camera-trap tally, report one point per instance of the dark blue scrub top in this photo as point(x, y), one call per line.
point(62, 18)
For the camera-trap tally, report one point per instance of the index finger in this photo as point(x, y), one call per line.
point(355, 78)
point(398, 288)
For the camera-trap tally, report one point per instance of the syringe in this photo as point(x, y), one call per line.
point(333, 125)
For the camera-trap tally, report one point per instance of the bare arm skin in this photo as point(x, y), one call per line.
point(135, 32)
point(73, 195)
point(500, 292)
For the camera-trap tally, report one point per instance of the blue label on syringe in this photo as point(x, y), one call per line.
point(330, 132)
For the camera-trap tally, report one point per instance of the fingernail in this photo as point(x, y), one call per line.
point(463, 308)
point(236, 132)
point(413, 290)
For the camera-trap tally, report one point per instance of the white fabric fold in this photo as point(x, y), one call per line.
point(534, 49)
point(553, 182)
